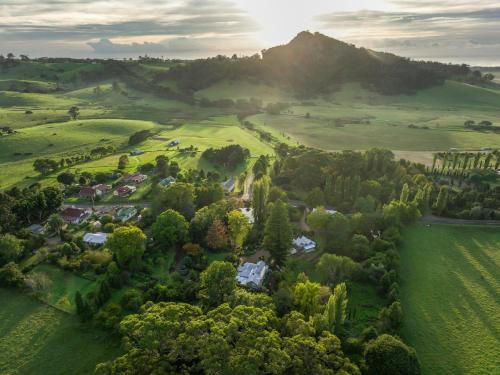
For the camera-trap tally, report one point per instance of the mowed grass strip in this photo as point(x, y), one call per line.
point(36, 339)
point(450, 292)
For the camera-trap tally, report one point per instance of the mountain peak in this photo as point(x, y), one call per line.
point(316, 37)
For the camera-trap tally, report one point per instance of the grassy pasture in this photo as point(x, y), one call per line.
point(60, 139)
point(82, 135)
point(244, 90)
point(214, 132)
point(451, 297)
point(355, 118)
point(36, 339)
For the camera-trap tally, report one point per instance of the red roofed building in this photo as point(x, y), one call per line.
point(125, 191)
point(74, 215)
point(87, 192)
point(136, 178)
point(102, 189)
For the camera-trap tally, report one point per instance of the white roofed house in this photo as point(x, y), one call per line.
point(248, 212)
point(252, 274)
point(328, 211)
point(95, 239)
point(304, 243)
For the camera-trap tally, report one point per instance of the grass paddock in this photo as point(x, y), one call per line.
point(36, 339)
point(451, 298)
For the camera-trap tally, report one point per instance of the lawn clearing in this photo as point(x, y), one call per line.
point(450, 291)
point(63, 286)
point(36, 339)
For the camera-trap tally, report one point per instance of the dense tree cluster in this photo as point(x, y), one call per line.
point(228, 156)
point(139, 136)
point(22, 207)
point(226, 340)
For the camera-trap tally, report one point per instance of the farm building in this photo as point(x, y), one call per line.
point(167, 181)
point(125, 213)
point(304, 243)
point(252, 274)
point(74, 215)
point(136, 152)
point(125, 191)
point(174, 143)
point(95, 239)
point(228, 185)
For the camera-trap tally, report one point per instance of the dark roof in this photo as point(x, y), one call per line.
point(102, 187)
point(72, 212)
point(87, 191)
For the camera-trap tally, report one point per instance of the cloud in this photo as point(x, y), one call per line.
point(414, 28)
point(177, 46)
point(106, 46)
point(81, 21)
point(451, 34)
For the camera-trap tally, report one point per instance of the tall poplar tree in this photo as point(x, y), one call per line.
point(259, 199)
point(278, 233)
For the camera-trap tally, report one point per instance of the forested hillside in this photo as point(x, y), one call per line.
point(314, 63)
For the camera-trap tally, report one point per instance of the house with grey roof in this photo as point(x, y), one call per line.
point(167, 181)
point(252, 274)
point(125, 213)
point(228, 185)
point(95, 239)
point(304, 243)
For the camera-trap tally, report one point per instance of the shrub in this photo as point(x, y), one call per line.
point(131, 300)
point(389, 356)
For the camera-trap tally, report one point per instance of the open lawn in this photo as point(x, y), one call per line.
point(36, 339)
point(450, 291)
point(62, 287)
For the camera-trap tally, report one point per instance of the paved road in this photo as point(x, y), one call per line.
point(247, 188)
point(107, 206)
point(431, 219)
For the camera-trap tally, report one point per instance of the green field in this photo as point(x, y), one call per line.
point(450, 292)
point(355, 118)
point(36, 339)
point(213, 132)
point(62, 287)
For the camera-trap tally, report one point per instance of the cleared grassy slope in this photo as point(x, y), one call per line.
point(36, 339)
point(61, 137)
point(450, 292)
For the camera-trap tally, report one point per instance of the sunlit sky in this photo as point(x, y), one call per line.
point(446, 30)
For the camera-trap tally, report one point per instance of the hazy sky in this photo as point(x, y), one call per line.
point(446, 30)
